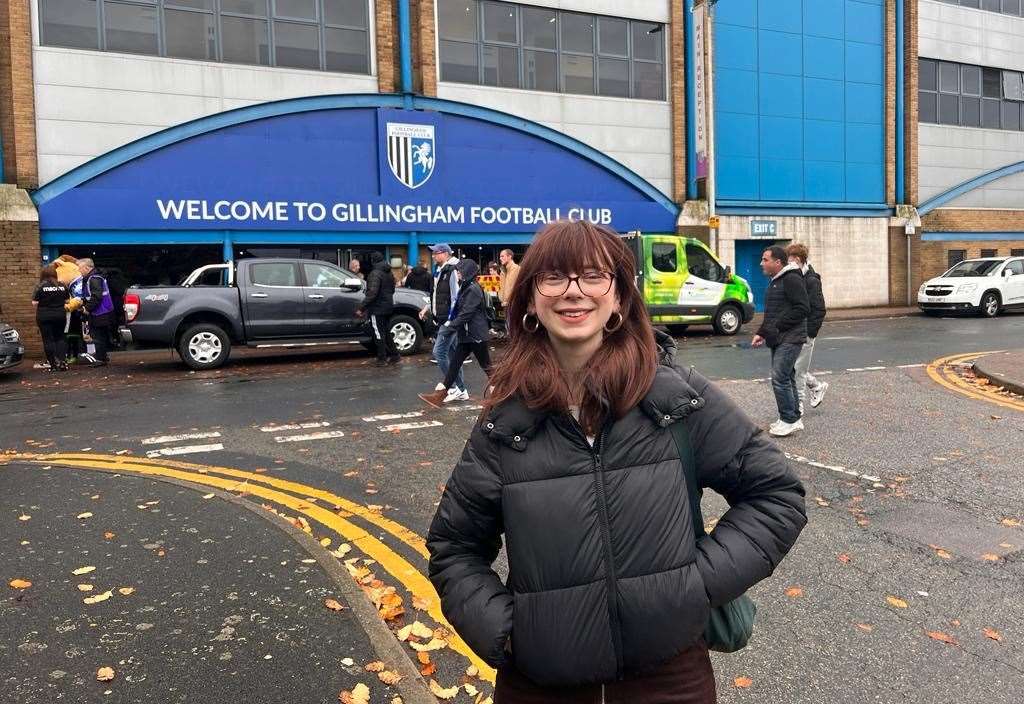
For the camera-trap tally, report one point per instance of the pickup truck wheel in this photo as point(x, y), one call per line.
point(407, 334)
point(204, 346)
point(728, 320)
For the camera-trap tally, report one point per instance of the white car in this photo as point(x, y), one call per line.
point(986, 286)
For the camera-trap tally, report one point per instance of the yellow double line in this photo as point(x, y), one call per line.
point(274, 489)
point(941, 372)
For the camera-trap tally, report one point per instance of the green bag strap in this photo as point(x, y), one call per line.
point(681, 434)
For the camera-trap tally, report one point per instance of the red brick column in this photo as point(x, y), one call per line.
point(17, 100)
point(387, 45)
point(677, 86)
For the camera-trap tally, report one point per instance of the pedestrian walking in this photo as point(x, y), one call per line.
point(509, 272)
point(807, 383)
point(379, 303)
point(442, 300)
point(419, 278)
point(49, 299)
point(99, 311)
point(576, 462)
point(469, 319)
point(784, 330)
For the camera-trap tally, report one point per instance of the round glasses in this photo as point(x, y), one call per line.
point(591, 284)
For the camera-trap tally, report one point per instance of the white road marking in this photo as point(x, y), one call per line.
point(184, 450)
point(873, 369)
point(465, 408)
point(294, 426)
point(834, 468)
point(409, 426)
point(855, 369)
point(824, 373)
point(325, 435)
point(911, 366)
point(161, 439)
point(393, 416)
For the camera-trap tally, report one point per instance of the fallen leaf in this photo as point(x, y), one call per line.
point(105, 674)
point(325, 542)
point(990, 557)
point(442, 693)
point(397, 700)
point(955, 622)
point(375, 666)
point(84, 515)
point(94, 497)
point(374, 491)
point(20, 583)
point(348, 662)
point(126, 591)
point(944, 554)
point(24, 517)
point(108, 535)
point(427, 668)
point(98, 598)
point(84, 570)
point(821, 501)
point(1006, 546)
point(342, 550)
point(472, 671)
point(1011, 522)
point(374, 508)
point(160, 553)
point(993, 634)
point(415, 629)
point(866, 627)
point(360, 694)
point(897, 602)
point(333, 605)
point(85, 587)
point(743, 682)
point(421, 604)
point(434, 644)
point(938, 635)
point(844, 558)
point(794, 592)
point(470, 689)
point(207, 496)
point(389, 677)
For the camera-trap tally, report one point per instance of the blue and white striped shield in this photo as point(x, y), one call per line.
point(411, 152)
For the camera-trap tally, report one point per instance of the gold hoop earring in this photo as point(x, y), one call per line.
point(618, 325)
point(536, 323)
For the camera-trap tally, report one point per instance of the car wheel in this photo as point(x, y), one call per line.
point(204, 346)
point(728, 320)
point(677, 329)
point(407, 334)
point(990, 304)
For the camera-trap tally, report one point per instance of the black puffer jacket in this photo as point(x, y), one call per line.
point(380, 288)
point(785, 309)
point(816, 301)
point(605, 579)
point(469, 316)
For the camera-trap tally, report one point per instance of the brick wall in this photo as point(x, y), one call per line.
point(19, 263)
point(425, 44)
point(387, 46)
point(910, 104)
point(677, 86)
point(17, 100)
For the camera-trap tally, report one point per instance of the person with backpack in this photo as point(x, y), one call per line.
point(470, 320)
point(576, 463)
point(379, 303)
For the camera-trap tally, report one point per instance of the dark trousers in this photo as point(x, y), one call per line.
point(784, 380)
point(52, 332)
point(685, 679)
point(74, 335)
point(381, 325)
point(100, 334)
point(462, 352)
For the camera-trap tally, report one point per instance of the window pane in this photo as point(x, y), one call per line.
point(989, 253)
point(971, 3)
point(538, 28)
point(190, 35)
point(949, 109)
point(346, 50)
point(500, 22)
point(928, 107)
point(351, 13)
point(245, 41)
point(297, 45)
point(700, 264)
point(299, 9)
point(577, 32)
point(970, 112)
point(70, 23)
point(613, 77)
point(578, 74)
point(245, 7)
point(320, 276)
point(1013, 89)
point(991, 82)
point(501, 66)
point(990, 110)
point(611, 36)
point(130, 28)
point(1011, 7)
point(1011, 115)
point(459, 62)
point(277, 274)
point(927, 75)
point(949, 75)
point(663, 257)
point(540, 70)
point(990, 5)
point(970, 77)
point(955, 256)
point(195, 4)
point(457, 19)
point(648, 41)
point(648, 81)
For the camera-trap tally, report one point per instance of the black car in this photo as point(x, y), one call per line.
point(11, 349)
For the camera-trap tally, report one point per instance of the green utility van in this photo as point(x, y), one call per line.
point(684, 284)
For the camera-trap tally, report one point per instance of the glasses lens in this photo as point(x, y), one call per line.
point(595, 283)
point(552, 284)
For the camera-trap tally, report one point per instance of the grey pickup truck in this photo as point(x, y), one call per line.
point(264, 303)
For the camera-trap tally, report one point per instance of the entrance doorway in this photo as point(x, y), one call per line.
point(748, 265)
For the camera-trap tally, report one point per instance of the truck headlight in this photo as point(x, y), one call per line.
point(966, 288)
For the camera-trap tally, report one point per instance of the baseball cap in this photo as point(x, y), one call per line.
point(442, 247)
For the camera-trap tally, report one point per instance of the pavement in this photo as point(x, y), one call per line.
point(1005, 369)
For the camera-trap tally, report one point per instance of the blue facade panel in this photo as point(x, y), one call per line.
point(811, 96)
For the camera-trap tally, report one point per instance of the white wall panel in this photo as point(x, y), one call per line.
point(970, 36)
point(948, 156)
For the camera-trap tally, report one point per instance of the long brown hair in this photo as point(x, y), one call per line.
point(48, 273)
point(622, 370)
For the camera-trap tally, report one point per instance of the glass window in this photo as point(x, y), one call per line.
point(257, 8)
point(991, 5)
point(1010, 115)
point(578, 74)
point(927, 76)
point(350, 13)
point(539, 28)
point(648, 81)
point(501, 23)
point(501, 66)
point(1017, 253)
point(320, 276)
point(1016, 267)
point(457, 19)
point(970, 80)
point(1013, 88)
point(989, 253)
point(991, 80)
point(71, 23)
point(540, 70)
point(190, 35)
point(955, 256)
point(1011, 7)
point(578, 33)
point(612, 36)
point(990, 112)
point(970, 112)
point(192, 4)
point(613, 77)
point(273, 274)
point(346, 50)
point(700, 264)
point(928, 107)
point(648, 41)
point(296, 9)
point(297, 45)
point(663, 257)
point(949, 109)
point(971, 3)
point(245, 41)
point(130, 28)
point(949, 77)
point(459, 62)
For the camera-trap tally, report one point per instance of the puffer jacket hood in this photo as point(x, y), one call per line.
point(606, 579)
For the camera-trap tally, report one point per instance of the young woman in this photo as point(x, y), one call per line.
point(574, 461)
point(49, 299)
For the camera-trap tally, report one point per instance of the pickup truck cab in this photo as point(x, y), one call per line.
point(984, 286)
point(262, 303)
point(683, 283)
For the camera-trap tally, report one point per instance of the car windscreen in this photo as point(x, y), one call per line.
point(977, 267)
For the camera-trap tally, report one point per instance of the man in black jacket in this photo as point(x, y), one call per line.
point(805, 381)
point(379, 302)
point(784, 330)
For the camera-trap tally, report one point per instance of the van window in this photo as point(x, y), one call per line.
point(663, 257)
point(702, 265)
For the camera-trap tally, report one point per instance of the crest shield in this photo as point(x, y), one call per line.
point(411, 153)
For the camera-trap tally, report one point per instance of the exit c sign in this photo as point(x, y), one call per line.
point(763, 229)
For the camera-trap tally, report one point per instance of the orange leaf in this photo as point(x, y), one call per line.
point(108, 535)
point(993, 634)
point(105, 674)
point(990, 557)
point(375, 666)
point(794, 592)
point(1011, 522)
point(420, 604)
point(427, 669)
point(20, 583)
point(896, 601)
point(389, 677)
point(866, 627)
point(844, 558)
point(944, 554)
point(333, 605)
point(938, 635)
point(442, 693)
point(743, 682)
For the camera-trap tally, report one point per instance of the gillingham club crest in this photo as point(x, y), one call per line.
point(411, 153)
